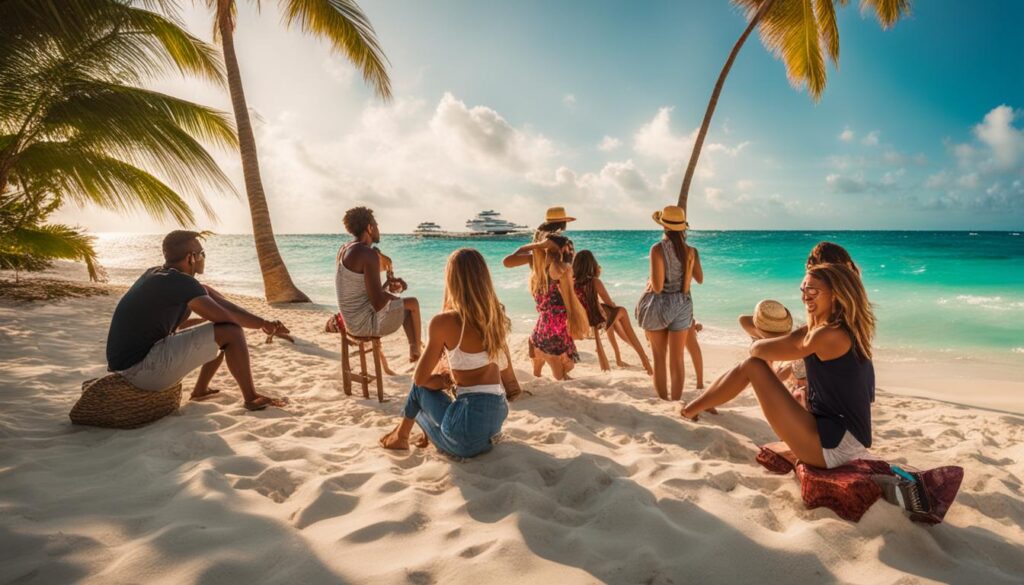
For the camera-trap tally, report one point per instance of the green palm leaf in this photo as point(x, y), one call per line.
point(85, 177)
point(344, 24)
point(887, 11)
point(32, 247)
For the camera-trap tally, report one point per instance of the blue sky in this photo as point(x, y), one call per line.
point(593, 104)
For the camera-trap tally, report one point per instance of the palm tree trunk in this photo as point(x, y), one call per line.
point(277, 283)
point(684, 191)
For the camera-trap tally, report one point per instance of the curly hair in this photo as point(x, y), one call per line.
point(358, 220)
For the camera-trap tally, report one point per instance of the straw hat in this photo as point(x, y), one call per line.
point(672, 218)
point(773, 317)
point(557, 214)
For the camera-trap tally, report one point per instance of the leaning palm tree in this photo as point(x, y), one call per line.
point(345, 25)
point(75, 125)
point(800, 33)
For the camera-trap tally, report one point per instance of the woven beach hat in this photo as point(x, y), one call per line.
point(557, 214)
point(671, 218)
point(773, 317)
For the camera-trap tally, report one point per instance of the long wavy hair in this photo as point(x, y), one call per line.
point(584, 270)
point(540, 283)
point(469, 292)
point(678, 240)
point(831, 253)
point(851, 309)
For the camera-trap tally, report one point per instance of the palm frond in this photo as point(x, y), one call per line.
point(345, 25)
point(825, 13)
point(32, 247)
point(887, 11)
point(790, 30)
point(86, 177)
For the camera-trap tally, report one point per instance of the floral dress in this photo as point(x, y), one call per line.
point(551, 334)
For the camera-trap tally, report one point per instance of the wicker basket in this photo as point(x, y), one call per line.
point(112, 402)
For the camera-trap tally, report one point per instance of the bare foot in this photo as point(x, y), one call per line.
point(394, 441)
point(262, 402)
point(203, 395)
point(621, 363)
point(700, 385)
point(422, 441)
point(648, 368)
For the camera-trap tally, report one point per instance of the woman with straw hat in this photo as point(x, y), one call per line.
point(665, 310)
point(561, 317)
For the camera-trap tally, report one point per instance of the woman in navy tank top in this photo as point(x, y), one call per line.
point(836, 348)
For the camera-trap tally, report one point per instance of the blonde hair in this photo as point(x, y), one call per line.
point(469, 292)
point(851, 309)
point(540, 282)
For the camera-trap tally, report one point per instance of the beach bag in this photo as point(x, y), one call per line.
point(851, 489)
point(112, 402)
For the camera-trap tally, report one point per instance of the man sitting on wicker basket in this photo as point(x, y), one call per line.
point(153, 343)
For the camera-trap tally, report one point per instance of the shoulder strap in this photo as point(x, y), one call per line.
point(462, 333)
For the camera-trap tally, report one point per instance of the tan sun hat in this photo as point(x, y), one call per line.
point(557, 214)
point(773, 317)
point(672, 218)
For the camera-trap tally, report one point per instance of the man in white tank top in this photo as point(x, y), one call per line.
point(369, 307)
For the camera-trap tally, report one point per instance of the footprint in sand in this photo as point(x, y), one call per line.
point(329, 503)
point(276, 483)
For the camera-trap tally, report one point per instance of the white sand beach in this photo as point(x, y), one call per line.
point(593, 480)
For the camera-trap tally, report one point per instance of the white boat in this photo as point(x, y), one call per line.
point(428, 228)
point(490, 223)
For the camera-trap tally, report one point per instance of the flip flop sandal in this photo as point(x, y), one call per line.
point(203, 397)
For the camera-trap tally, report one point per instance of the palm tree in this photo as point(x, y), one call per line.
point(75, 126)
point(345, 25)
point(797, 32)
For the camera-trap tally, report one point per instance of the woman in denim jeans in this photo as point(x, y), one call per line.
point(471, 332)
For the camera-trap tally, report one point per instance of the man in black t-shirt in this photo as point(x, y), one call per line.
point(152, 342)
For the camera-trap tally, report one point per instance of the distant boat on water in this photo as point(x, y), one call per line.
point(428, 228)
point(486, 224)
point(490, 223)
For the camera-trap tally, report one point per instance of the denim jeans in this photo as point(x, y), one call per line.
point(462, 427)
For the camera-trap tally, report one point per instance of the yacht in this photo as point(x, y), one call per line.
point(428, 228)
point(490, 223)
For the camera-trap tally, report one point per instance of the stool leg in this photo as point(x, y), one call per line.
point(377, 355)
point(346, 367)
point(384, 361)
point(362, 364)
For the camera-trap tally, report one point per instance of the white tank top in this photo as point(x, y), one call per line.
point(464, 360)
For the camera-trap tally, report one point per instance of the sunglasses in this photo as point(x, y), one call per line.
point(810, 291)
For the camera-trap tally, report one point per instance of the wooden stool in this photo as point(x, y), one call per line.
point(363, 346)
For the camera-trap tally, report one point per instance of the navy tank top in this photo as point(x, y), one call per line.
point(839, 395)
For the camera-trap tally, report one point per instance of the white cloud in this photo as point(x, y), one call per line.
point(732, 151)
point(846, 135)
point(656, 139)
point(871, 139)
point(609, 144)
point(1005, 142)
point(481, 134)
point(569, 100)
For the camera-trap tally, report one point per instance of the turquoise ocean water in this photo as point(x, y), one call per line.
point(958, 292)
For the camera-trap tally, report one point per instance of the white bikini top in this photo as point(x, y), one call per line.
point(464, 360)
